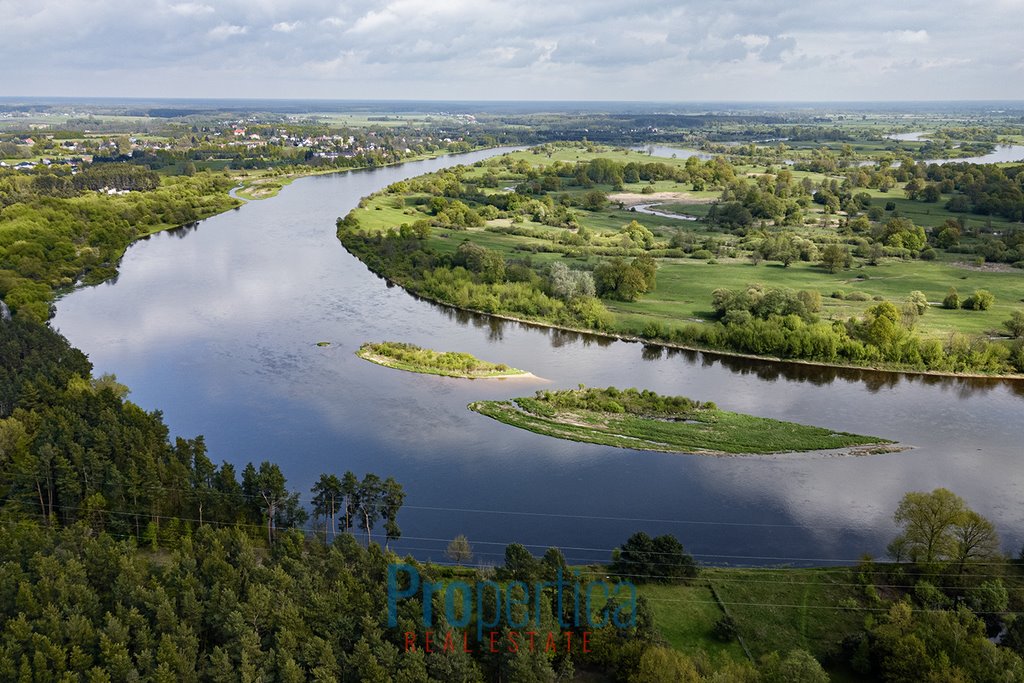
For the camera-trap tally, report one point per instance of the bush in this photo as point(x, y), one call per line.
point(858, 296)
point(1015, 325)
point(919, 300)
point(981, 300)
point(952, 300)
point(725, 629)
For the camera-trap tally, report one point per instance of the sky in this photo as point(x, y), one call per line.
point(655, 50)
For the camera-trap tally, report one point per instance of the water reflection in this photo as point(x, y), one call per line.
point(219, 331)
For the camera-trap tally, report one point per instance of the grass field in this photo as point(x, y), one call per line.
point(685, 285)
point(774, 610)
point(704, 430)
point(782, 609)
point(686, 615)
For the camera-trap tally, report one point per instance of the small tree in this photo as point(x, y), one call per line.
point(459, 550)
point(952, 300)
point(919, 301)
point(392, 497)
point(327, 497)
point(938, 527)
point(835, 257)
point(1015, 325)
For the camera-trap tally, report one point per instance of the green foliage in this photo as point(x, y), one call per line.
point(901, 233)
point(912, 645)
point(919, 301)
point(604, 248)
point(642, 559)
point(568, 284)
point(417, 359)
point(49, 242)
point(952, 299)
point(799, 666)
point(625, 281)
point(981, 300)
point(835, 257)
point(459, 550)
point(765, 303)
point(938, 529)
point(659, 664)
point(1015, 324)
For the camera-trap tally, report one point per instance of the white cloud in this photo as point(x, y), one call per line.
point(752, 42)
point(911, 37)
point(190, 9)
point(225, 31)
point(472, 49)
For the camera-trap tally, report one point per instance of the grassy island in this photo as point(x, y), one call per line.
point(644, 420)
point(426, 361)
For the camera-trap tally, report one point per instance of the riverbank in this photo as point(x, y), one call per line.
point(213, 204)
point(670, 424)
point(708, 351)
point(266, 185)
point(411, 358)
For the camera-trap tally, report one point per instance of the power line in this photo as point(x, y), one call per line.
point(316, 531)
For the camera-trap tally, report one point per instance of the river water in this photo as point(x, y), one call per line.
point(1001, 154)
point(217, 326)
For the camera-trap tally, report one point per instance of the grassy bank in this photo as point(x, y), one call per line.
point(646, 421)
point(429, 362)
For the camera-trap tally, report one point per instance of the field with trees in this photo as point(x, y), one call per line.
point(912, 266)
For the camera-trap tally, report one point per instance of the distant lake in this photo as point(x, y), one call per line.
point(908, 137)
point(1001, 154)
point(672, 152)
point(217, 326)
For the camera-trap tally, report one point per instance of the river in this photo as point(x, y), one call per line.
point(217, 326)
point(1001, 154)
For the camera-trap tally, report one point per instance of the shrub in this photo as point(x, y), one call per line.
point(952, 300)
point(725, 629)
point(981, 300)
point(1015, 325)
point(919, 300)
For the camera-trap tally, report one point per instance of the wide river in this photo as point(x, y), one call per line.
point(217, 326)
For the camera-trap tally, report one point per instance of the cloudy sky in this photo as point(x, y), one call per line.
point(678, 50)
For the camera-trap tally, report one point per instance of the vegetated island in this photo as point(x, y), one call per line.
point(644, 420)
point(412, 358)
